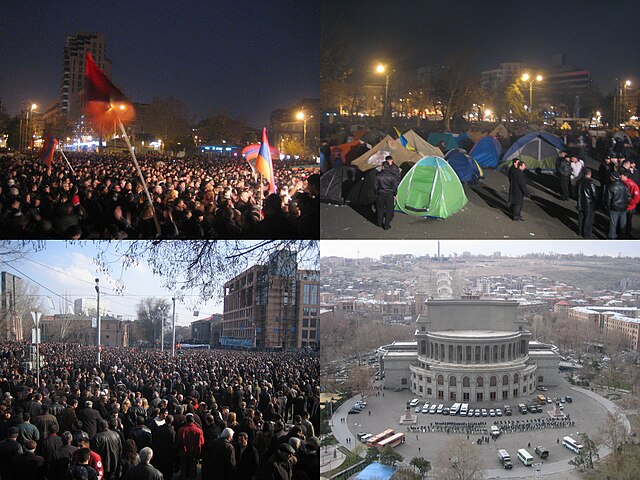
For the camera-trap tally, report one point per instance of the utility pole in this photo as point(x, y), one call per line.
point(36, 339)
point(173, 328)
point(98, 314)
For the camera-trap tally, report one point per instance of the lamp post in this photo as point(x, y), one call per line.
point(301, 116)
point(383, 70)
point(528, 79)
point(623, 102)
point(98, 319)
point(173, 327)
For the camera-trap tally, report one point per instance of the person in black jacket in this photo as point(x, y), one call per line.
point(517, 189)
point(386, 188)
point(588, 196)
point(616, 202)
point(563, 170)
point(247, 458)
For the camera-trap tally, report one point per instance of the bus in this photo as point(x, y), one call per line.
point(373, 441)
point(392, 441)
point(365, 437)
point(464, 409)
point(525, 457)
point(455, 408)
point(572, 444)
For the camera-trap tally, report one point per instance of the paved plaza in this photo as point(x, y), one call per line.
point(383, 411)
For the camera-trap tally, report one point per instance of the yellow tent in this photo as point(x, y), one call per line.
point(388, 146)
point(565, 126)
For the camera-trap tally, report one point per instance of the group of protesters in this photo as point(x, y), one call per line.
point(101, 196)
point(145, 414)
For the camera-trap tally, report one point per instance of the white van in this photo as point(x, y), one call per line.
point(525, 457)
point(464, 409)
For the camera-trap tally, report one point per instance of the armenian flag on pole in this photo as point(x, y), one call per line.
point(264, 165)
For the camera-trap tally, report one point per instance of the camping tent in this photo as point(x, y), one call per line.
point(487, 152)
point(388, 146)
point(363, 192)
point(464, 166)
point(420, 145)
point(500, 131)
point(336, 183)
point(431, 189)
point(537, 149)
point(449, 140)
point(622, 135)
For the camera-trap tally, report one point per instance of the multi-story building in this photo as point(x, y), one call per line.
point(10, 320)
point(73, 65)
point(470, 350)
point(621, 320)
point(114, 332)
point(502, 76)
point(275, 305)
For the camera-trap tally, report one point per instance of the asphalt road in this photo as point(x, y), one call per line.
point(588, 410)
point(486, 216)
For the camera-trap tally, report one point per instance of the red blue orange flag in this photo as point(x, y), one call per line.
point(264, 165)
point(104, 101)
point(48, 149)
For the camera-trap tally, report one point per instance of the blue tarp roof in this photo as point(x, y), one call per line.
point(376, 471)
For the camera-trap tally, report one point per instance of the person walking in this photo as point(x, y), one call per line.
point(191, 440)
point(615, 203)
point(386, 189)
point(588, 196)
point(563, 171)
point(517, 189)
point(634, 191)
point(144, 470)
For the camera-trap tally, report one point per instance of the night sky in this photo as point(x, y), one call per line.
point(244, 57)
point(599, 36)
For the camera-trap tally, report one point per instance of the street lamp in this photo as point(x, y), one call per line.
point(527, 78)
point(623, 110)
point(301, 116)
point(98, 322)
point(383, 70)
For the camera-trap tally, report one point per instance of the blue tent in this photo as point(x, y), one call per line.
point(449, 140)
point(487, 152)
point(376, 471)
point(537, 149)
point(463, 165)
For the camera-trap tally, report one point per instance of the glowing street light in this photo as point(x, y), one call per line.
point(382, 70)
point(303, 118)
point(527, 78)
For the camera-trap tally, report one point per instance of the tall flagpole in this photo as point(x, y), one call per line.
point(144, 184)
point(67, 160)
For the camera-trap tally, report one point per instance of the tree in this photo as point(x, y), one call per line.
point(613, 432)
point(514, 101)
point(404, 473)
point(170, 119)
point(421, 464)
point(388, 456)
point(588, 453)
point(221, 128)
point(293, 147)
point(152, 315)
point(372, 454)
point(458, 87)
point(460, 460)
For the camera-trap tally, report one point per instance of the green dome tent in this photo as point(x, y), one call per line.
point(431, 189)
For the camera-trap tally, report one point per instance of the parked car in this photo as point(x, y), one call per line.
point(353, 410)
point(433, 408)
point(543, 452)
point(414, 402)
point(418, 409)
point(498, 412)
point(439, 408)
point(484, 412)
point(569, 399)
point(425, 408)
point(492, 412)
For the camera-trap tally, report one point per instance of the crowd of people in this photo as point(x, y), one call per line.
point(101, 196)
point(143, 414)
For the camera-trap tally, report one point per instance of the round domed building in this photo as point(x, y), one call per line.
point(470, 350)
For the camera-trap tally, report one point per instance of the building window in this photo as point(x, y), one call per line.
point(305, 334)
point(440, 395)
point(492, 395)
point(428, 379)
point(479, 397)
point(540, 379)
point(420, 389)
point(305, 322)
point(478, 352)
point(312, 334)
point(524, 389)
point(505, 380)
point(428, 391)
point(515, 392)
point(452, 381)
point(465, 381)
point(505, 394)
point(493, 381)
point(479, 382)
point(465, 396)
point(516, 378)
point(440, 379)
point(452, 396)
point(403, 381)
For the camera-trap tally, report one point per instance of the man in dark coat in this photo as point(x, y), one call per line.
point(222, 457)
point(28, 464)
point(108, 445)
point(89, 418)
point(616, 201)
point(61, 458)
point(563, 170)
point(141, 434)
point(162, 443)
point(517, 189)
point(588, 196)
point(144, 470)
point(247, 459)
point(9, 448)
point(386, 189)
